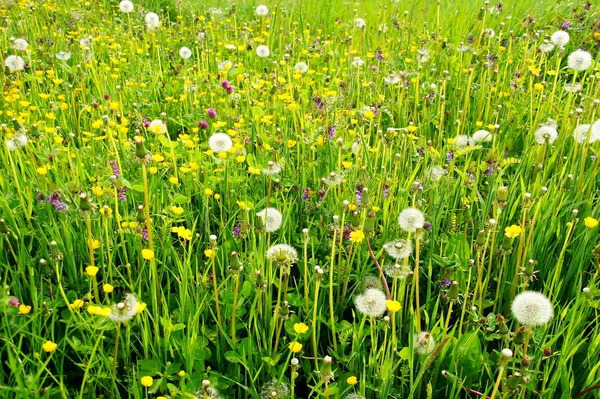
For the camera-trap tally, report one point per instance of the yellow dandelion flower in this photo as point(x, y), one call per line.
point(352, 380)
point(49, 346)
point(107, 288)
point(357, 236)
point(210, 253)
point(392, 306)
point(590, 222)
point(512, 231)
point(147, 254)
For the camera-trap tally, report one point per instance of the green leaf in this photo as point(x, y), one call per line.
point(181, 199)
point(138, 187)
point(459, 248)
point(233, 357)
point(257, 112)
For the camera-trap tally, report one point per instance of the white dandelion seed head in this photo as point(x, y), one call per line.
point(397, 270)
point(271, 218)
point(560, 38)
point(124, 311)
point(579, 60)
point(274, 390)
point(63, 55)
point(393, 79)
point(283, 254)
point(262, 10)
point(581, 132)
point(546, 134)
point(546, 47)
point(424, 343)
point(422, 56)
point(14, 63)
point(360, 23)
point(358, 62)
point(86, 41)
point(398, 249)
point(272, 168)
point(461, 141)
point(126, 6)
point(573, 87)
point(334, 179)
point(20, 44)
point(532, 308)
point(482, 136)
point(436, 173)
point(220, 142)
point(595, 131)
point(411, 219)
point(301, 67)
point(18, 141)
point(185, 53)
point(152, 20)
point(262, 51)
point(371, 302)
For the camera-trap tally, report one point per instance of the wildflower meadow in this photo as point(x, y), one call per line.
point(299, 199)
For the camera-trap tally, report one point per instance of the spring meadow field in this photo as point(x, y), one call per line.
point(299, 199)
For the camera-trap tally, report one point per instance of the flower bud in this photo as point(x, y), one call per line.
point(502, 194)
point(140, 150)
point(453, 292)
point(84, 203)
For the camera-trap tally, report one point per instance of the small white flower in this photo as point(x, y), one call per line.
point(482, 136)
point(271, 218)
point(581, 132)
point(14, 63)
point(63, 55)
point(411, 219)
point(546, 134)
point(560, 38)
point(358, 62)
point(185, 53)
point(126, 6)
point(371, 302)
point(301, 67)
point(157, 126)
point(489, 32)
point(393, 79)
point(424, 343)
point(262, 10)
point(20, 44)
point(220, 142)
point(532, 308)
point(262, 51)
point(579, 60)
point(152, 20)
point(398, 249)
point(360, 23)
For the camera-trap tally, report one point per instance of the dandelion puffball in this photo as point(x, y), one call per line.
point(360, 23)
point(220, 142)
point(152, 20)
point(262, 51)
point(20, 44)
point(282, 254)
point(126, 6)
point(581, 132)
point(532, 308)
point(560, 38)
point(271, 218)
point(63, 55)
point(411, 219)
point(301, 67)
point(185, 53)
point(579, 60)
point(398, 249)
point(482, 136)
point(14, 63)
point(546, 135)
point(371, 302)
point(424, 343)
point(262, 10)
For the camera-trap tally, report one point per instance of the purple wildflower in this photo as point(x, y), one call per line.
point(379, 55)
point(386, 190)
point(229, 89)
point(449, 156)
point(359, 193)
point(427, 226)
point(305, 193)
point(122, 195)
point(331, 131)
point(211, 113)
point(14, 302)
point(236, 230)
point(203, 124)
point(115, 168)
point(445, 283)
point(566, 25)
point(225, 84)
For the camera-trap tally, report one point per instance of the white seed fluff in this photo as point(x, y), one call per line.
point(20, 44)
point(411, 219)
point(581, 132)
point(371, 302)
point(301, 67)
point(398, 249)
point(152, 20)
point(126, 6)
point(482, 136)
point(262, 51)
point(220, 142)
point(14, 63)
point(283, 254)
point(262, 10)
point(560, 38)
point(271, 219)
point(546, 134)
point(532, 308)
point(579, 60)
point(185, 53)
point(424, 343)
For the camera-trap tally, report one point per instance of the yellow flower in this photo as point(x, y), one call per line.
point(42, 170)
point(147, 381)
point(49, 346)
point(177, 210)
point(98, 191)
point(295, 347)
point(590, 222)
point(107, 288)
point(392, 306)
point(291, 143)
point(357, 236)
point(140, 308)
point(222, 155)
point(347, 165)
point(411, 128)
point(91, 271)
point(77, 303)
point(240, 158)
point(94, 244)
point(24, 309)
point(147, 254)
point(217, 196)
point(352, 380)
point(300, 328)
point(173, 180)
point(210, 253)
point(208, 191)
point(152, 170)
point(369, 114)
point(512, 231)
point(253, 171)
point(352, 207)
point(105, 211)
point(181, 373)
point(103, 311)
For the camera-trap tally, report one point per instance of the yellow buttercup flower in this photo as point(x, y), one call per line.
point(590, 222)
point(210, 253)
point(512, 231)
point(49, 346)
point(147, 381)
point(77, 303)
point(295, 347)
point(91, 271)
point(352, 380)
point(141, 307)
point(107, 288)
point(357, 236)
point(147, 254)
point(392, 306)
point(177, 210)
point(300, 328)
point(24, 309)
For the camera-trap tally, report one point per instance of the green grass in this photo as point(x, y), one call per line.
point(232, 320)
